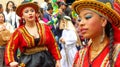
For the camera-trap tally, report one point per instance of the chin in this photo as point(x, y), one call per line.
point(31, 20)
point(86, 36)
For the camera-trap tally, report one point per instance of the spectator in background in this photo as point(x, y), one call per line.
point(1, 8)
point(10, 15)
point(5, 32)
point(42, 15)
point(62, 7)
point(48, 13)
point(44, 5)
point(68, 42)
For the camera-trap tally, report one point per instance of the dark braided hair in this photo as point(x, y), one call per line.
point(109, 31)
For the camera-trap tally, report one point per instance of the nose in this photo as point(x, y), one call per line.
point(30, 13)
point(81, 23)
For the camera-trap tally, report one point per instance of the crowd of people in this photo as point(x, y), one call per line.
point(84, 33)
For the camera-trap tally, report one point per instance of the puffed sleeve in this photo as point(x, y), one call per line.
point(52, 44)
point(11, 48)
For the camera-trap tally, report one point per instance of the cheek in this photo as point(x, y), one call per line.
point(94, 26)
point(25, 17)
point(1, 18)
point(34, 14)
point(94, 23)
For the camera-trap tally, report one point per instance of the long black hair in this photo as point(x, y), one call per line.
point(7, 10)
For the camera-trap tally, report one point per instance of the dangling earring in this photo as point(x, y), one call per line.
point(103, 36)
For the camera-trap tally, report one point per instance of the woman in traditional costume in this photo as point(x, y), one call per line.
point(35, 40)
point(99, 23)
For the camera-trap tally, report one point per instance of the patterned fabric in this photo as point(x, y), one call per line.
point(102, 60)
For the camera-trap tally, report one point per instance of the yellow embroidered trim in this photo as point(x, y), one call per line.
point(102, 8)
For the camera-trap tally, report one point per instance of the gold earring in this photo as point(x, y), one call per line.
point(103, 36)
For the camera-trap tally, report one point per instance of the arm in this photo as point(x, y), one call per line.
point(52, 44)
point(11, 48)
point(69, 37)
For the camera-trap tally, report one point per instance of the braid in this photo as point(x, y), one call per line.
point(111, 48)
point(110, 34)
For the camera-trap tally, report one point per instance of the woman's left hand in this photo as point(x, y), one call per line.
point(58, 63)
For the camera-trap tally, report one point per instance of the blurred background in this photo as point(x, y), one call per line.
point(17, 2)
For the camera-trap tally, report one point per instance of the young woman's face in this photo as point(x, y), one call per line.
point(10, 6)
point(28, 14)
point(1, 10)
point(1, 18)
point(90, 24)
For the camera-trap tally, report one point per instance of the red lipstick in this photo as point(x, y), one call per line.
point(31, 17)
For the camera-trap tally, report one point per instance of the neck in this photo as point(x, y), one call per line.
point(96, 45)
point(30, 24)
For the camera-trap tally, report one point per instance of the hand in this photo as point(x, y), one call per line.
point(62, 40)
point(2, 28)
point(14, 64)
point(58, 63)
